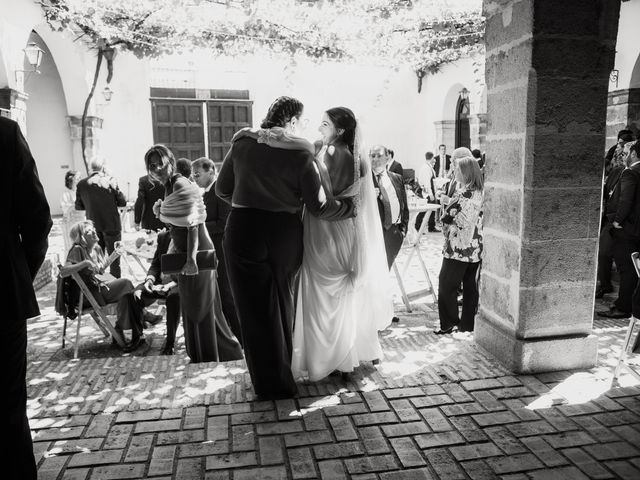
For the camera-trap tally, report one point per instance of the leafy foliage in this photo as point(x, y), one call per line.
point(424, 34)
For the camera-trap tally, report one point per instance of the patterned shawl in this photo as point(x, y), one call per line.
point(184, 207)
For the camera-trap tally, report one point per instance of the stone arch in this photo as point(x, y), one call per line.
point(635, 74)
point(451, 101)
point(47, 125)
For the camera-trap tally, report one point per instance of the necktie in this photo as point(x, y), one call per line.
point(386, 204)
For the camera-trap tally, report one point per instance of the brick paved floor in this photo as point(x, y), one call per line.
point(434, 408)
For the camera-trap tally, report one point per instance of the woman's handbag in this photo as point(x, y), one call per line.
point(172, 263)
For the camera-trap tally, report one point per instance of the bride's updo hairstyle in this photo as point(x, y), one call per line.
point(281, 111)
point(343, 118)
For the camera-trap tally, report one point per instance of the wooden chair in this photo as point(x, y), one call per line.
point(96, 311)
point(630, 337)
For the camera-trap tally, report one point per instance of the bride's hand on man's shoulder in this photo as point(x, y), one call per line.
point(245, 132)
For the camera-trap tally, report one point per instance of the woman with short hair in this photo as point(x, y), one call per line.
point(462, 252)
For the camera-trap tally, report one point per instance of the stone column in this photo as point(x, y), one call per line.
point(445, 134)
point(14, 104)
point(92, 146)
point(623, 111)
point(478, 130)
point(547, 81)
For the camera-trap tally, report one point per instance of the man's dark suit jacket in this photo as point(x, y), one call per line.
point(628, 212)
point(101, 204)
point(401, 193)
point(437, 165)
point(217, 212)
point(148, 193)
point(396, 167)
point(26, 222)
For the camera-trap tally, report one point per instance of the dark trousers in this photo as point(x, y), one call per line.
point(106, 240)
point(393, 239)
point(129, 307)
point(452, 273)
point(226, 297)
point(18, 462)
point(263, 252)
point(172, 302)
point(623, 246)
point(605, 256)
point(431, 222)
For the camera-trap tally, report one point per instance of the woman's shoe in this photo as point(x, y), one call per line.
point(444, 332)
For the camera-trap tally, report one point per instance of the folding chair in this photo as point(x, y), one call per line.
point(629, 338)
point(96, 311)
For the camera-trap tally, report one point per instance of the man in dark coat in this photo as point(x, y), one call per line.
point(149, 192)
point(157, 286)
point(204, 174)
point(392, 203)
point(625, 231)
point(393, 165)
point(100, 196)
point(26, 225)
point(441, 158)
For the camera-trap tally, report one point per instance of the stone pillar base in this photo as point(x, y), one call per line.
point(536, 355)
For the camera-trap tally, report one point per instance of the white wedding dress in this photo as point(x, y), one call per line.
point(344, 297)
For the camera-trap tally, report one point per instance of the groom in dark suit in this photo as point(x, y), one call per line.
point(267, 188)
point(392, 202)
point(26, 222)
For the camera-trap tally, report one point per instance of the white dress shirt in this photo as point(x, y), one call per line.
point(385, 181)
point(425, 175)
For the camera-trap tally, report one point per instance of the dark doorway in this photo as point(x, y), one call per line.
point(463, 133)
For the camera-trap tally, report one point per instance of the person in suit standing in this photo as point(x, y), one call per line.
point(100, 196)
point(394, 166)
point(392, 202)
point(149, 192)
point(159, 286)
point(267, 188)
point(625, 231)
point(440, 158)
point(204, 174)
point(26, 225)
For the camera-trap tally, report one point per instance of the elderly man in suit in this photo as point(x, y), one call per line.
point(100, 196)
point(26, 225)
point(392, 202)
point(204, 174)
point(158, 286)
point(149, 192)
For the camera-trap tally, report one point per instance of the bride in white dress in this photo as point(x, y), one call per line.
point(344, 296)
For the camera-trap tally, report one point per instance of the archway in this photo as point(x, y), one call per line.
point(47, 126)
point(463, 131)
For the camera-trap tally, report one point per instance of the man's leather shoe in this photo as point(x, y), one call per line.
point(444, 332)
point(395, 320)
point(613, 312)
point(435, 230)
point(152, 319)
point(135, 343)
point(600, 292)
point(167, 350)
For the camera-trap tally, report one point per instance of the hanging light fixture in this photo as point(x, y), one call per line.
point(107, 93)
point(34, 55)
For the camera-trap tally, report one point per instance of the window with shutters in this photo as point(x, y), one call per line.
point(199, 123)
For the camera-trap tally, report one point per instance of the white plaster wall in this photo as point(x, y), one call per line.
point(47, 128)
point(628, 47)
point(17, 18)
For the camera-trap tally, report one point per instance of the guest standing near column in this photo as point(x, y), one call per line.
point(462, 228)
point(266, 187)
point(204, 174)
point(100, 196)
point(26, 224)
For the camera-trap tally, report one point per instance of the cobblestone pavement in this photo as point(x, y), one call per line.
point(433, 408)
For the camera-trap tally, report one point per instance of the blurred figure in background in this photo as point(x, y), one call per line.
point(149, 192)
point(70, 215)
point(183, 167)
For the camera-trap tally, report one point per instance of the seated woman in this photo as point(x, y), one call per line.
point(105, 288)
